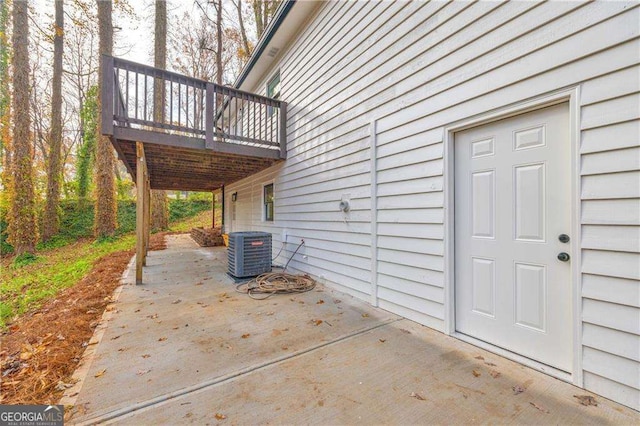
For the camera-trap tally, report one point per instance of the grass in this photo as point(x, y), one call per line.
point(76, 220)
point(27, 284)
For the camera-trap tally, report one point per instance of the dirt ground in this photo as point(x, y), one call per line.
point(41, 350)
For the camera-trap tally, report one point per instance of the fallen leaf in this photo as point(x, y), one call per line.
point(269, 313)
point(137, 310)
point(517, 390)
point(115, 337)
point(142, 372)
point(417, 396)
point(480, 357)
point(162, 339)
point(382, 340)
point(146, 356)
point(244, 336)
point(337, 301)
point(405, 331)
point(175, 302)
point(62, 386)
point(490, 364)
point(365, 315)
point(320, 302)
point(100, 373)
point(317, 322)
point(495, 374)
point(284, 348)
point(586, 400)
point(154, 316)
point(204, 305)
point(539, 407)
point(175, 328)
point(200, 283)
point(476, 373)
point(219, 416)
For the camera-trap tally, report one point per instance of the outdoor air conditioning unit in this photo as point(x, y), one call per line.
point(249, 254)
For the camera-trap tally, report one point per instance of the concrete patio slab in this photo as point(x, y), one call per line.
point(185, 347)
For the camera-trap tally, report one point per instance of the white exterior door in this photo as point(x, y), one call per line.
point(512, 203)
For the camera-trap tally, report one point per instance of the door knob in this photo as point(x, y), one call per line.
point(564, 238)
point(563, 257)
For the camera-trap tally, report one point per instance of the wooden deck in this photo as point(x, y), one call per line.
point(196, 135)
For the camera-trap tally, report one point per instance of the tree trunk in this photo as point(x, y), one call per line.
point(219, 70)
point(159, 203)
point(243, 32)
point(5, 100)
point(23, 232)
point(106, 205)
point(257, 13)
point(51, 222)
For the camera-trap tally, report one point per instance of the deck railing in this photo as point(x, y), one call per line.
point(146, 98)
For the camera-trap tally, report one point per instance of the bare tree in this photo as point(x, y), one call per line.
point(219, 69)
point(23, 232)
point(51, 222)
point(247, 48)
point(159, 203)
point(106, 206)
point(263, 11)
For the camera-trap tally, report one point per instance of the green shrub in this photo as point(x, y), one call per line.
point(24, 259)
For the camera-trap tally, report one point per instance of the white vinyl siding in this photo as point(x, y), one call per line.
point(416, 67)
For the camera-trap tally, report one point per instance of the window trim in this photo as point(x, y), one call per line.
point(264, 202)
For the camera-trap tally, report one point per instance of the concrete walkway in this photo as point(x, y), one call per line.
point(186, 348)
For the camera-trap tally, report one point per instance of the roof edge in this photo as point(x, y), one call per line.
point(268, 34)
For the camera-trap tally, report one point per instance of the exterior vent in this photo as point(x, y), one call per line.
point(249, 254)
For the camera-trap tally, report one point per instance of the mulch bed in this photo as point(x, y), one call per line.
point(41, 350)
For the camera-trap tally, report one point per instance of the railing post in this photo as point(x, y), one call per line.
point(283, 130)
point(106, 95)
point(210, 115)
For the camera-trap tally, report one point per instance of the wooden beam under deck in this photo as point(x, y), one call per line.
point(181, 141)
point(177, 168)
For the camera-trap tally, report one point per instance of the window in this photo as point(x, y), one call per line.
point(267, 196)
point(273, 89)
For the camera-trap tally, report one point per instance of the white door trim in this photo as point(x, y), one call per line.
point(572, 95)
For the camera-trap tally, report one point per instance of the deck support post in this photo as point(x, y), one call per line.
point(141, 178)
point(213, 210)
point(222, 218)
point(147, 214)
